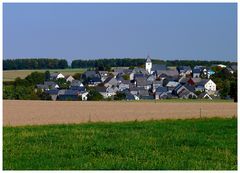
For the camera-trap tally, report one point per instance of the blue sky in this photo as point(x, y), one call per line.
point(91, 31)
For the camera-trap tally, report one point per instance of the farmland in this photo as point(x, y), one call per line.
point(11, 75)
point(23, 112)
point(197, 144)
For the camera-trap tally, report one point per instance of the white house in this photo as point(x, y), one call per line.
point(209, 86)
point(56, 76)
point(69, 78)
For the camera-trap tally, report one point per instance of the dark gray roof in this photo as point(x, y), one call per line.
point(42, 86)
point(76, 83)
point(133, 88)
point(157, 82)
point(143, 92)
point(203, 82)
point(138, 75)
point(79, 88)
point(95, 79)
point(139, 70)
point(54, 75)
point(177, 87)
point(161, 89)
point(156, 67)
point(183, 80)
point(183, 68)
point(90, 74)
point(52, 91)
point(196, 70)
point(167, 72)
point(49, 83)
point(189, 87)
point(125, 81)
point(101, 89)
point(141, 82)
point(68, 92)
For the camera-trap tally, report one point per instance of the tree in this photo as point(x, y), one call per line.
point(126, 77)
point(8, 92)
point(94, 95)
point(35, 78)
point(233, 90)
point(62, 83)
point(120, 96)
point(47, 75)
point(226, 89)
point(77, 76)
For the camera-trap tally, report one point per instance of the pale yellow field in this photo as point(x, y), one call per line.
point(10, 75)
point(20, 112)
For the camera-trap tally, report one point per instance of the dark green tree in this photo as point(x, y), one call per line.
point(94, 95)
point(47, 75)
point(120, 96)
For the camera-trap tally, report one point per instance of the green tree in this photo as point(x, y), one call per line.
point(62, 83)
point(77, 76)
point(226, 89)
point(126, 77)
point(35, 78)
point(8, 92)
point(94, 95)
point(120, 96)
point(47, 75)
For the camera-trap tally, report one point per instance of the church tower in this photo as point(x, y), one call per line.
point(148, 65)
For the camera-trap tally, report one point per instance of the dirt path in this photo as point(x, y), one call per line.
point(49, 112)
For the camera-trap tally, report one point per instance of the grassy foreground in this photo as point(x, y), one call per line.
point(160, 145)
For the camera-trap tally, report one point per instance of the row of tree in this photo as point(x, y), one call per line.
point(42, 63)
point(101, 64)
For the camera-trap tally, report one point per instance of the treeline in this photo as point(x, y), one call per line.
point(127, 62)
point(18, 64)
point(41, 63)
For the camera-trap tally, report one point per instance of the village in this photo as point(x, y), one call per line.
point(155, 81)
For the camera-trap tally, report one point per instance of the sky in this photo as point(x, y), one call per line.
point(91, 31)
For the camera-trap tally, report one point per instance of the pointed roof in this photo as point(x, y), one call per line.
point(148, 59)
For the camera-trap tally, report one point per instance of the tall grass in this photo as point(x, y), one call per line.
point(200, 144)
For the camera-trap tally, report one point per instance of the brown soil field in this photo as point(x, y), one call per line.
point(21, 112)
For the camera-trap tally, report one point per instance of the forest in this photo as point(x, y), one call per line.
point(44, 63)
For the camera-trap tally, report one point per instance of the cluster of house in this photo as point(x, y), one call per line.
point(155, 81)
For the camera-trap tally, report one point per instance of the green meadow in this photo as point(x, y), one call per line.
point(196, 144)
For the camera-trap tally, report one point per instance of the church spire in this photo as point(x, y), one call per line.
point(148, 59)
point(148, 64)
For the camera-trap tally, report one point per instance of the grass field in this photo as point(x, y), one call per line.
point(10, 75)
point(199, 144)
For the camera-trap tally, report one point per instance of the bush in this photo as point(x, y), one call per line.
point(94, 95)
point(120, 96)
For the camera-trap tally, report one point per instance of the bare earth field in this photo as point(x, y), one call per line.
point(21, 112)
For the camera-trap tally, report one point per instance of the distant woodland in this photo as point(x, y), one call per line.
point(43, 63)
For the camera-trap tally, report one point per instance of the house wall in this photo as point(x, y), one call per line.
point(210, 86)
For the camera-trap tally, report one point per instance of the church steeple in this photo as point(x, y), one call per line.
point(148, 64)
